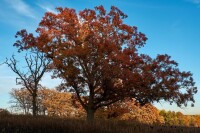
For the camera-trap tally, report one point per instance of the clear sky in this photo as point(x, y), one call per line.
point(172, 27)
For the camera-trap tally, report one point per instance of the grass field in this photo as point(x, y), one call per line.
point(28, 124)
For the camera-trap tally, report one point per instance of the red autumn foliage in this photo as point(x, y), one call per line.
point(96, 54)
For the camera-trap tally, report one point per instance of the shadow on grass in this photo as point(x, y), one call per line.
point(42, 124)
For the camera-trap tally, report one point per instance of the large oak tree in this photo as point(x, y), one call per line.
point(96, 54)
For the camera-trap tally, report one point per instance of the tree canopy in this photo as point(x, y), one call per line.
point(96, 54)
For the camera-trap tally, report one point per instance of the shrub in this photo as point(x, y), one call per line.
point(4, 112)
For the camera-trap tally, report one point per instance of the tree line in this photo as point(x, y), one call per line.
point(52, 102)
point(64, 104)
point(178, 119)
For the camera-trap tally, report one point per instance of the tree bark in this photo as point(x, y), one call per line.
point(90, 114)
point(34, 111)
point(90, 108)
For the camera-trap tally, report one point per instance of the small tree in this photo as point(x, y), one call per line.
point(36, 65)
point(21, 100)
point(96, 55)
point(4, 112)
point(60, 104)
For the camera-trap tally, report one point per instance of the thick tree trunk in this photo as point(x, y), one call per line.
point(34, 111)
point(90, 114)
point(90, 108)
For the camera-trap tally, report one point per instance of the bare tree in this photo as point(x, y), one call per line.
point(36, 65)
point(21, 100)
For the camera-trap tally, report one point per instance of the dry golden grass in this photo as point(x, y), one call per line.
point(41, 124)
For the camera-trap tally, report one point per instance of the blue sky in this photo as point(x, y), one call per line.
point(172, 27)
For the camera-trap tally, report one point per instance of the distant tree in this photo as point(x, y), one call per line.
point(192, 121)
point(96, 54)
point(131, 110)
point(4, 112)
point(21, 100)
point(30, 77)
point(197, 120)
point(49, 102)
point(180, 118)
point(169, 117)
point(60, 104)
